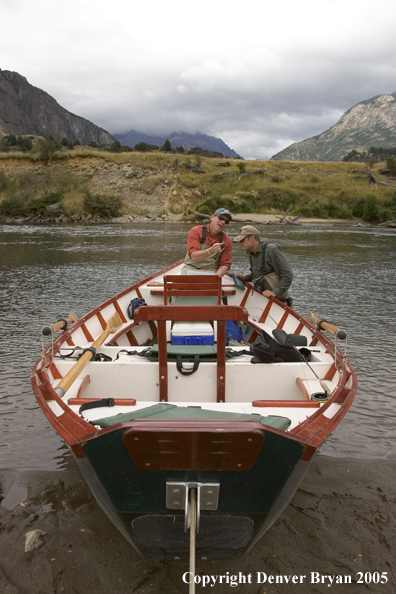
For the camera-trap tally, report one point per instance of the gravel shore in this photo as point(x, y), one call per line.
point(338, 529)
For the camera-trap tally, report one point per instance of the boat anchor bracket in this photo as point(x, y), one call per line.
point(177, 497)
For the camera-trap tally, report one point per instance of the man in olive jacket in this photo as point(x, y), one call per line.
point(269, 269)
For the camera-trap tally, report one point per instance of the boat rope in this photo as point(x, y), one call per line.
point(193, 528)
point(144, 353)
point(95, 356)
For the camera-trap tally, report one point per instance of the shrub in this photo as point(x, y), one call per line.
point(371, 209)
point(47, 148)
point(102, 206)
point(386, 214)
point(241, 166)
point(358, 209)
point(143, 147)
point(38, 205)
point(13, 206)
point(5, 181)
point(115, 147)
point(215, 202)
point(393, 202)
point(391, 164)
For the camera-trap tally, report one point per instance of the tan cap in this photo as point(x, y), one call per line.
point(246, 231)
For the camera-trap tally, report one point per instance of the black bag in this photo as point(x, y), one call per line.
point(267, 350)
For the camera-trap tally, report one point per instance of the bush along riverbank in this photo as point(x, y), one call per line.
point(89, 185)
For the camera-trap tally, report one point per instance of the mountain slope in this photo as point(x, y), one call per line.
point(25, 109)
point(184, 139)
point(369, 123)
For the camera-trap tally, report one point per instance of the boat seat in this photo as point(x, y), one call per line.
point(179, 289)
point(171, 411)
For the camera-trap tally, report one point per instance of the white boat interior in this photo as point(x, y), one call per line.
point(282, 389)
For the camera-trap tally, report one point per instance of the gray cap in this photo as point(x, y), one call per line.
point(246, 231)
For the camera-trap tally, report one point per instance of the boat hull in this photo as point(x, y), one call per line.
point(251, 431)
point(250, 501)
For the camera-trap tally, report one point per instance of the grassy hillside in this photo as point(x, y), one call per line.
point(87, 182)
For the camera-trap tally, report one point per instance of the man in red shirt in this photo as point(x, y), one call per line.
point(209, 248)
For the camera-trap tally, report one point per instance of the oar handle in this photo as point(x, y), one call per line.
point(61, 324)
point(111, 326)
point(321, 324)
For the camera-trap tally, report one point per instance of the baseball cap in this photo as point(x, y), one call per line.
point(246, 231)
point(223, 211)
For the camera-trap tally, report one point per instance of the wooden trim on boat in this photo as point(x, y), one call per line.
point(286, 403)
point(133, 341)
point(55, 371)
point(303, 388)
point(196, 446)
point(101, 319)
point(282, 321)
point(87, 333)
point(83, 385)
point(225, 292)
point(119, 311)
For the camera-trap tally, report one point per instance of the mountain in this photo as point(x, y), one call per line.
point(369, 123)
point(184, 139)
point(25, 109)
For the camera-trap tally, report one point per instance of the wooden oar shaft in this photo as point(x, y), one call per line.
point(111, 326)
point(323, 325)
point(60, 324)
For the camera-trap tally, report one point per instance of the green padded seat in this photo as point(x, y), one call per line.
point(171, 411)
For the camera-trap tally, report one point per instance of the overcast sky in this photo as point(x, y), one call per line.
point(260, 75)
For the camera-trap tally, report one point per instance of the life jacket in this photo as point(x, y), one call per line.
point(210, 264)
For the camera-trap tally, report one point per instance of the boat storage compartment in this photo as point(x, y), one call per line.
point(192, 333)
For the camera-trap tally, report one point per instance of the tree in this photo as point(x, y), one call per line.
point(143, 147)
point(47, 148)
point(370, 209)
point(167, 147)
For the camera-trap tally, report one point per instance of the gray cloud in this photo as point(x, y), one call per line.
point(259, 77)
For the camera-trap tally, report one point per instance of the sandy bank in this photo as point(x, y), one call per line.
point(272, 219)
point(341, 522)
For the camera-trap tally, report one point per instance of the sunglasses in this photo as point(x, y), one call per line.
point(225, 219)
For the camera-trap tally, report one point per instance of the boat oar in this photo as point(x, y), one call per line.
point(321, 324)
point(112, 325)
point(61, 324)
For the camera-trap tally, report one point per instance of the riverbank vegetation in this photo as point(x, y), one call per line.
point(86, 181)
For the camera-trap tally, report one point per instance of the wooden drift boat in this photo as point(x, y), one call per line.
point(170, 422)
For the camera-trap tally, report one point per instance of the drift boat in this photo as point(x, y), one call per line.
point(185, 438)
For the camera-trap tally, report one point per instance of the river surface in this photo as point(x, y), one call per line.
point(344, 274)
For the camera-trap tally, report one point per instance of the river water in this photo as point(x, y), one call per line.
point(344, 274)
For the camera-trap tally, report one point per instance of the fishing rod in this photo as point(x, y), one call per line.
point(304, 360)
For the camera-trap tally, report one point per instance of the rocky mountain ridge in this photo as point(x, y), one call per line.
point(184, 139)
point(369, 123)
point(25, 109)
